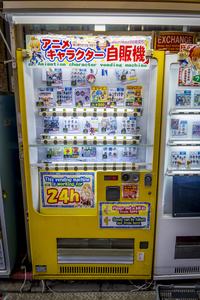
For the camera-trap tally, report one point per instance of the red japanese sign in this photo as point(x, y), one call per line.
point(170, 41)
point(109, 51)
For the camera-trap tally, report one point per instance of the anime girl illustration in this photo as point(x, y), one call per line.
point(102, 46)
point(36, 55)
point(194, 56)
point(86, 194)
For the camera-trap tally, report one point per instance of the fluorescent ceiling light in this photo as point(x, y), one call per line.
point(102, 19)
point(100, 27)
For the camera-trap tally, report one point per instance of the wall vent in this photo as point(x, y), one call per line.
point(93, 270)
point(187, 270)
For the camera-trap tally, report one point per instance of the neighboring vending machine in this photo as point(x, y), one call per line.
point(178, 235)
point(90, 112)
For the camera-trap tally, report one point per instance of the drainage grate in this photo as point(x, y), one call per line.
point(93, 270)
point(178, 293)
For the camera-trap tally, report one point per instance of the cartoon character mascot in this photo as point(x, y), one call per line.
point(36, 55)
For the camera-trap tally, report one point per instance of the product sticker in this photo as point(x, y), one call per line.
point(109, 153)
point(91, 125)
point(64, 96)
point(125, 215)
point(194, 159)
point(133, 96)
point(130, 152)
point(55, 153)
point(78, 77)
point(196, 129)
point(82, 96)
point(197, 98)
point(45, 97)
point(130, 191)
point(126, 76)
point(179, 128)
point(71, 152)
point(51, 124)
point(183, 98)
point(116, 97)
point(99, 96)
point(189, 65)
point(88, 152)
point(178, 159)
point(109, 125)
point(67, 189)
point(54, 77)
point(129, 126)
point(71, 125)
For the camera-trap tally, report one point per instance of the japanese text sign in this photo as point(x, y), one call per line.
point(125, 215)
point(88, 51)
point(170, 41)
point(67, 189)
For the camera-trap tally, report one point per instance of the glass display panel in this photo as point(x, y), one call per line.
point(83, 117)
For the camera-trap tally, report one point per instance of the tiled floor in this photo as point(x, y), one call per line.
point(82, 296)
point(74, 290)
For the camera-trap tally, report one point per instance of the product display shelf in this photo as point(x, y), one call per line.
point(89, 111)
point(184, 111)
point(87, 139)
point(96, 166)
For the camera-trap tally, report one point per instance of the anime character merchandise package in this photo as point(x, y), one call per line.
point(178, 159)
point(133, 95)
point(196, 129)
point(51, 125)
point(45, 97)
point(64, 96)
point(179, 128)
point(183, 98)
point(99, 96)
point(54, 77)
point(82, 96)
point(108, 125)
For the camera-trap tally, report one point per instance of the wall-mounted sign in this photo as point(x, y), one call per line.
point(170, 41)
point(67, 189)
point(124, 215)
point(88, 51)
point(189, 65)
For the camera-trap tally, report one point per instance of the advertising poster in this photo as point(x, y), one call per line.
point(125, 215)
point(67, 189)
point(88, 51)
point(189, 65)
point(170, 41)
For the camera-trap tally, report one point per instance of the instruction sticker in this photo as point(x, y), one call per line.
point(130, 191)
point(125, 215)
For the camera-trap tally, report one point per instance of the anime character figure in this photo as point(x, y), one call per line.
point(36, 55)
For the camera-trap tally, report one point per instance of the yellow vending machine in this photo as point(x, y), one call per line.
point(90, 112)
